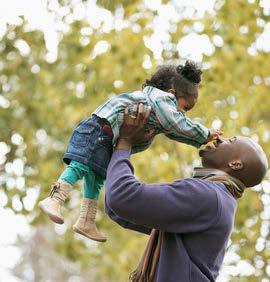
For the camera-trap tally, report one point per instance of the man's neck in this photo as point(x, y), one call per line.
point(201, 172)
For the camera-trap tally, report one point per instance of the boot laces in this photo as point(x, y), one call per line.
point(89, 210)
point(57, 193)
point(93, 211)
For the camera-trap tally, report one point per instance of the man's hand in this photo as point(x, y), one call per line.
point(132, 130)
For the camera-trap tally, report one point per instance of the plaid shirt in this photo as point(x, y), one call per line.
point(164, 117)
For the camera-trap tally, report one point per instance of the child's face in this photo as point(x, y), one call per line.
point(184, 104)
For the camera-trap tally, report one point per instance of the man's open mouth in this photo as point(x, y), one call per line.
point(211, 146)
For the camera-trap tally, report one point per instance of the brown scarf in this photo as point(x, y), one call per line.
point(146, 269)
point(234, 185)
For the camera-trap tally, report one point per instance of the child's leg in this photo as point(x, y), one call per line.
point(74, 172)
point(60, 190)
point(98, 185)
point(85, 224)
point(92, 185)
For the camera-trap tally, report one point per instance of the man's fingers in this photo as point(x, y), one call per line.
point(146, 115)
point(126, 116)
point(140, 114)
point(141, 108)
point(148, 111)
point(135, 110)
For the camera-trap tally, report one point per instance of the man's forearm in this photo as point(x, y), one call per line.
point(125, 145)
point(121, 186)
point(120, 169)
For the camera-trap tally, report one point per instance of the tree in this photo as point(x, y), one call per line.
point(41, 102)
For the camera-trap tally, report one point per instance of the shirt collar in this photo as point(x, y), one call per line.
point(157, 92)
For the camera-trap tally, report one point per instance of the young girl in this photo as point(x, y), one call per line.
point(169, 94)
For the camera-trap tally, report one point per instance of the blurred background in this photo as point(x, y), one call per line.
point(59, 60)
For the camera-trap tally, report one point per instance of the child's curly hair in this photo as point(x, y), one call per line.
point(184, 78)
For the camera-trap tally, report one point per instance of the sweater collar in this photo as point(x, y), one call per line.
point(234, 185)
point(201, 172)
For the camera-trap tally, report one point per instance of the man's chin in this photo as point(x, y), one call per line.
point(201, 152)
point(209, 148)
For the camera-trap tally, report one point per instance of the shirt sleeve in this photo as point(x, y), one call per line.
point(176, 125)
point(183, 206)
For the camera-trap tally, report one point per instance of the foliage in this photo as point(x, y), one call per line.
point(41, 102)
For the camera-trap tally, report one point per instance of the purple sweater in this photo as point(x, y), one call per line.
point(195, 216)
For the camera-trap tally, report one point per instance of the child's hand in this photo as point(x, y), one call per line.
point(214, 134)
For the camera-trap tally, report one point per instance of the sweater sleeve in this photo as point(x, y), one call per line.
point(184, 206)
point(177, 125)
point(124, 223)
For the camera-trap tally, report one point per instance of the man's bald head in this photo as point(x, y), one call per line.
point(239, 156)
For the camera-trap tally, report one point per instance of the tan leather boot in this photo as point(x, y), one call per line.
point(85, 224)
point(52, 204)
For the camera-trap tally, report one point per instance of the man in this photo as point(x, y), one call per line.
point(194, 216)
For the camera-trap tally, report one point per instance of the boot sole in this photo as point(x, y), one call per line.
point(87, 235)
point(53, 217)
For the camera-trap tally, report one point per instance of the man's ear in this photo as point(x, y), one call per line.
point(236, 164)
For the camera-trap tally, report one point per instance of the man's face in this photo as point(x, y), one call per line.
point(238, 156)
point(216, 154)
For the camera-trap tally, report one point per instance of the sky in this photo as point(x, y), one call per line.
point(192, 46)
point(36, 14)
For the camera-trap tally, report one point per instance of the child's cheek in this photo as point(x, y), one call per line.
point(180, 109)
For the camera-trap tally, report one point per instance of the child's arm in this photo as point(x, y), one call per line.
point(177, 126)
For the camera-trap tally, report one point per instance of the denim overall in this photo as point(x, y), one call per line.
point(91, 145)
